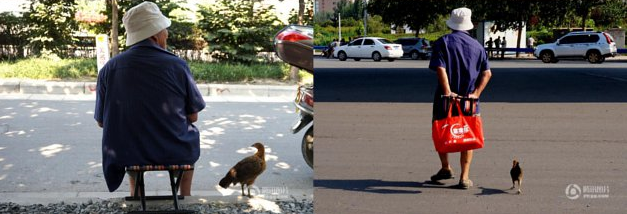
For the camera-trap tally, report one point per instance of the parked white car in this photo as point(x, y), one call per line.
point(592, 46)
point(369, 48)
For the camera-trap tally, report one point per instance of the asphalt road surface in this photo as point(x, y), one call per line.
point(566, 123)
point(52, 146)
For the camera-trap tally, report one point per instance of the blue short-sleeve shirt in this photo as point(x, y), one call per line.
point(464, 59)
point(143, 98)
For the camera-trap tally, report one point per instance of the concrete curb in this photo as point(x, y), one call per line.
point(199, 197)
point(11, 86)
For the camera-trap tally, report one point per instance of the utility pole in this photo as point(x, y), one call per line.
point(339, 22)
point(365, 17)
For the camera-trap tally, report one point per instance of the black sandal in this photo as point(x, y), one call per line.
point(443, 174)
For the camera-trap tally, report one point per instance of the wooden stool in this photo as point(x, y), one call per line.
point(176, 173)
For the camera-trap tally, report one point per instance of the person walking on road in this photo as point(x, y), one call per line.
point(462, 69)
point(147, 102)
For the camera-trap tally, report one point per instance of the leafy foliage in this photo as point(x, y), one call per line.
point(13, 31)
point(237, 30)
point(52, 24)
point(416, 14)
point(611, 14)
point(308, 14)
point(166, 7)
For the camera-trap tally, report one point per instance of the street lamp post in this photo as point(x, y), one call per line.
point(339, 21)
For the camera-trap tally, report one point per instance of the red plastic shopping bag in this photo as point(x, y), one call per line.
point(457, 133)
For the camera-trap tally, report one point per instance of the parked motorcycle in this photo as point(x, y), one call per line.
point(294, 45)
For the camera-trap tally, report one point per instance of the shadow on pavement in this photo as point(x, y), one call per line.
point(388, 187)
point(491, 191)
point(370, 185)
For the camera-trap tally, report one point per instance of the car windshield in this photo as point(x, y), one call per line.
point(385, 41)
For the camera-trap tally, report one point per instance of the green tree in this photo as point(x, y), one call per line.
point(236, 31)
point(376, 25)
point(510, 14)
point(583, 8)
point(307, 16)
point(53, 24)
point(417, 14)
point(13, 35)
point(166, 7)
point(612, 14)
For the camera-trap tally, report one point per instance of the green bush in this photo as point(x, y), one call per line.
point(541, 36)
point(224, 72)
point(85, 70)
point(52, 69)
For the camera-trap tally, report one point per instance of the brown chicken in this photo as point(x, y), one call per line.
point(517, 175)
point(246, 171)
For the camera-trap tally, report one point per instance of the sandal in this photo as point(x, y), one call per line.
point(443, 174)
point(465, 184)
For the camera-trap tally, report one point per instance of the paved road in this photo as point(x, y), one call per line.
point(53, 147)
point(566, 125)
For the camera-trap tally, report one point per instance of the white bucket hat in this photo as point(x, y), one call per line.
point(460, 19)
point(143, 21)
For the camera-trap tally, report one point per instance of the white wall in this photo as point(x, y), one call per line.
point(484, 33)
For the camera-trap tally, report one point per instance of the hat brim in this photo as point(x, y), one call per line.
point(460, 26)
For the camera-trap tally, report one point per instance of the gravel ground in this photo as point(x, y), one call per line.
point(108, 206)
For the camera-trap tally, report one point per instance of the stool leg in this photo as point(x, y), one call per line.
point(142, 191)
point(175, 186)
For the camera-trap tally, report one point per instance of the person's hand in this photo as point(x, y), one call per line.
point(452, 95)
point(473, 95)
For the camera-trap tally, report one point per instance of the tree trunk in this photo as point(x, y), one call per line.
point(293, 69)
point(584, 17)
point(301, 11)
point(520, 28)
point(115, 46)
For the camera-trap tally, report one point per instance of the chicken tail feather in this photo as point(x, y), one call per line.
point(228, 179)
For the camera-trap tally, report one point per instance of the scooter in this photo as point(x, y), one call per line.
point(327, 52)
point(294, 45)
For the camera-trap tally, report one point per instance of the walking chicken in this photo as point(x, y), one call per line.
point(517, 175)
point(246, 171)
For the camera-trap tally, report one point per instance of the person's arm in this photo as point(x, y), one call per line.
point(443, 81)
point(192, 118)
point(482, 82)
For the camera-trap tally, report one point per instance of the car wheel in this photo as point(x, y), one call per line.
point(594, 57)
point(357, 59)
point(414, 55)
point(342, 56)
point(376, 56)
point(547, 57)
point(391, 59)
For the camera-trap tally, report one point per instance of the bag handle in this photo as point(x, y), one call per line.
point(456, 101)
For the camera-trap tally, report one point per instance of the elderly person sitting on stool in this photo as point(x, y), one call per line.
point(147, 102)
